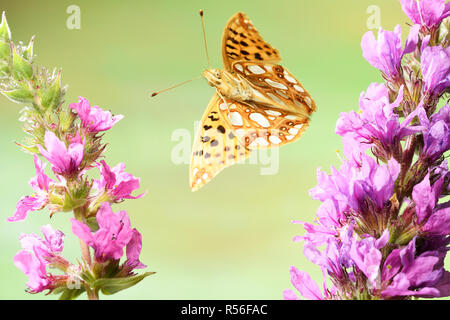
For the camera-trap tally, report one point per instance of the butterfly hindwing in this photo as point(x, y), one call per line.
point(215, 146)
point(261, 126)
point(241, 41)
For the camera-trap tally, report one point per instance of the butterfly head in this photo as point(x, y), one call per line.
point(213, 76)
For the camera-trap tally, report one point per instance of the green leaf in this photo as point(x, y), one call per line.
point(21, 67)
point(19, 95)
point(88, 277)
point(92, 223)
point(5, 52)
point(5, 33)
point(31, 149)
point(71, 294)
point(110, 286)
point(4, 69)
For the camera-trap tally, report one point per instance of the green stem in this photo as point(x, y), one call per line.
point(85, 252)
point(92, 294)
point(408, 155)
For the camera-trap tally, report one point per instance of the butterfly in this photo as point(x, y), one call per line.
point(257, 104)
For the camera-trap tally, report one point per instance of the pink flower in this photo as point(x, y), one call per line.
point(420, 275)
point(134, 250)
point(34, 269)
point(435, 67)
point(367, 256)
point(37, 253)
point(329, 222)
point(116, 182)
point(436, 133)
point(357, 183)
point(377, 125)
point(305, 286)
point(386, 53)
point(113, 235)
point(40, 184)
point(434, 216)
point(65, 161)
point(50, 246)
point(94, 119)
point(428, 13)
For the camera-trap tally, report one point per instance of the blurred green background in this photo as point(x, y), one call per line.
point(233, 238)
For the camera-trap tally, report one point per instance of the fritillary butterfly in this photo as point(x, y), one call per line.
point(257, 103)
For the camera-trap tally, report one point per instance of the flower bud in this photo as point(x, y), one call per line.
point(28, 52)
point(51, 97)
point(66, 119)
point(76, 196)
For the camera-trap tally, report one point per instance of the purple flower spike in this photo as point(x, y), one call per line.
point(383, 228)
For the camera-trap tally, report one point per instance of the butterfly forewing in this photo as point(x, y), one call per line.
point(215, 146)
point(241, 41)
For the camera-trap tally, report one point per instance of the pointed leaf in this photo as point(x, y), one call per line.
point(5, 33)
point(70, 294)
point(114, 285)
point(28, 53)
point(20, 95)
point(21, 67)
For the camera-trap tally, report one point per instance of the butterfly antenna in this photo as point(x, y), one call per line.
point(172, 87)
point(204, 37)
point(207, 56)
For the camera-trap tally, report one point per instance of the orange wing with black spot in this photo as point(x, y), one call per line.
point(277, 86)
point(263, 127)
point(241, 41)
point(215, 145)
